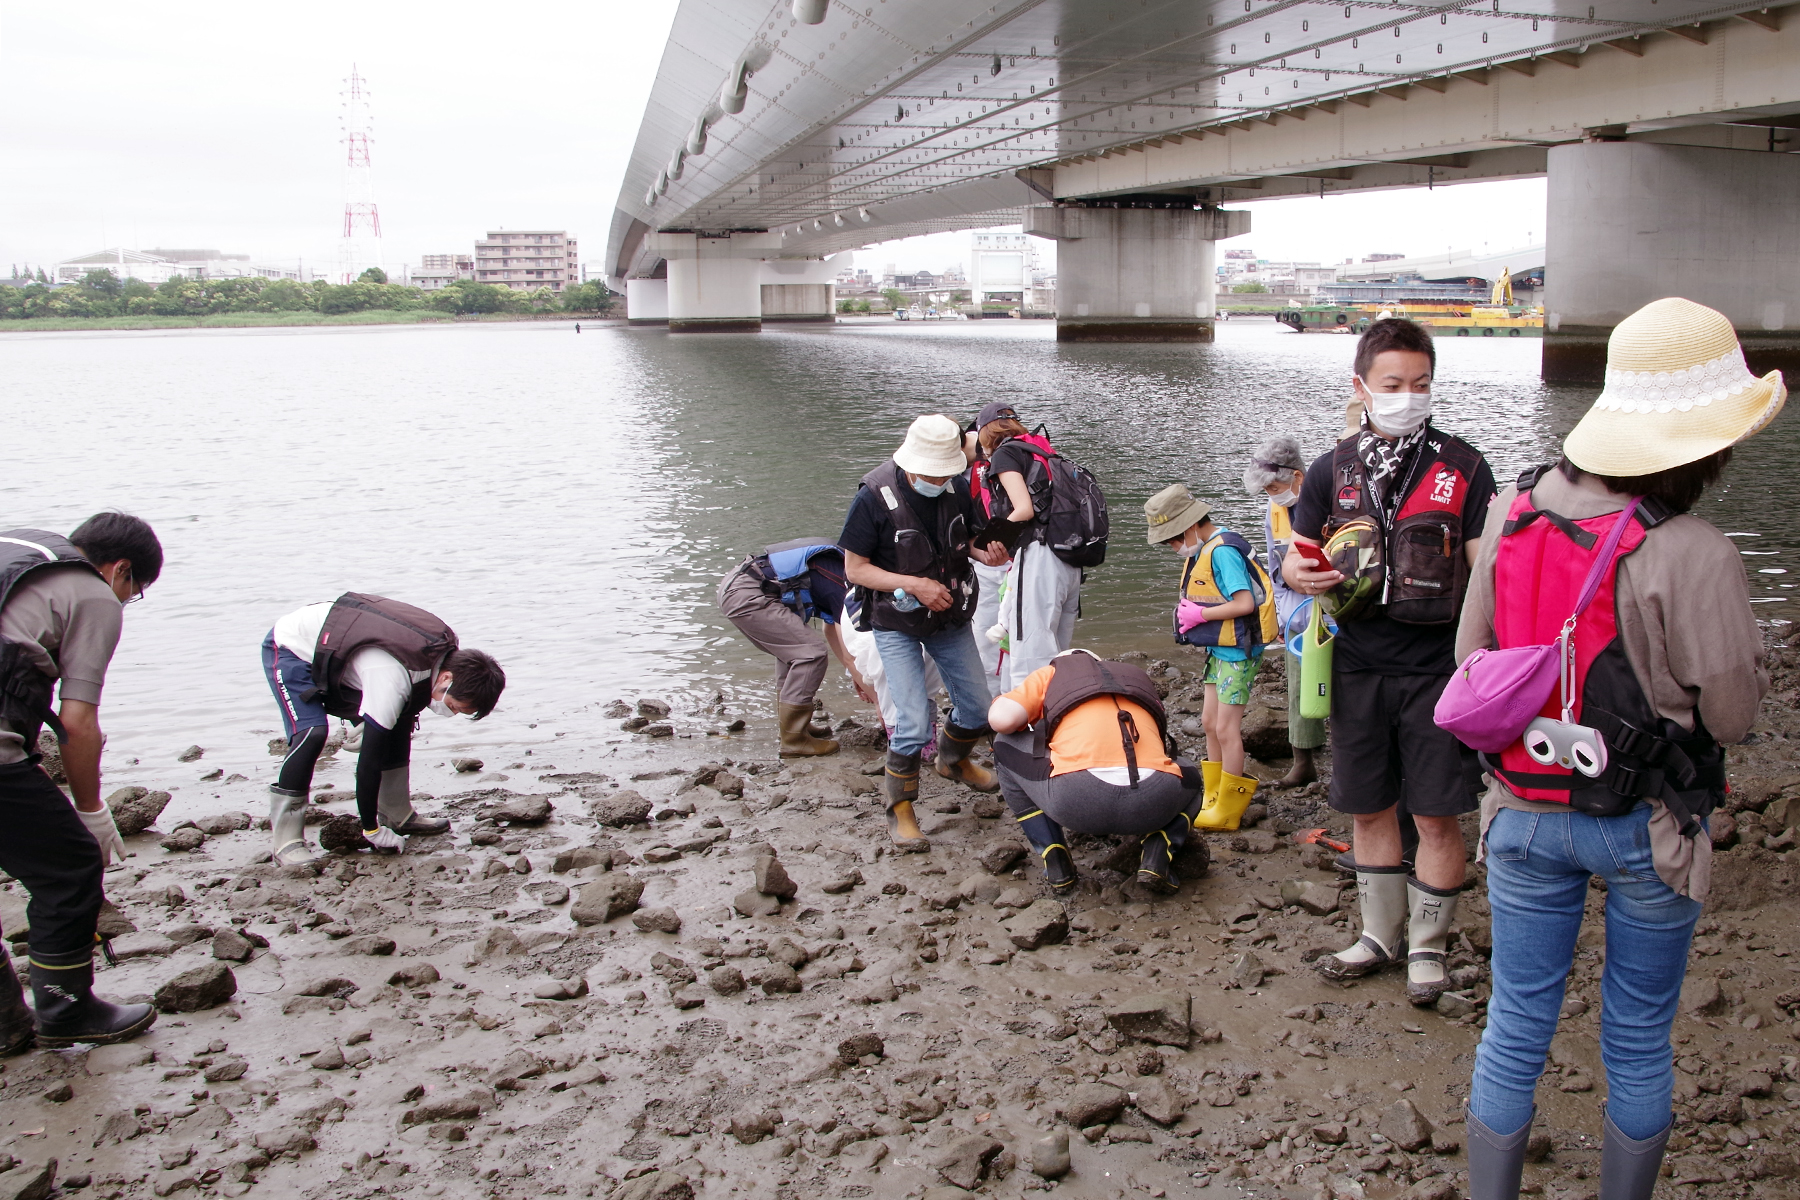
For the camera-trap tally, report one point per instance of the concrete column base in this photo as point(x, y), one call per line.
point(799, 302)
point(1632, 222)
point(1131, 329)
point(715, 324)
point(647, 301)
point(714, 282)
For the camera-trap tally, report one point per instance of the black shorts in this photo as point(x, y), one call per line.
point(1387, 749)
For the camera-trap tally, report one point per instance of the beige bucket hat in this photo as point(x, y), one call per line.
point(1676, 391)
point(933, 448)
point(1172, 512)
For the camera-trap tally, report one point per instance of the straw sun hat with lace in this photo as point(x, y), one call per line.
point(1676, 391)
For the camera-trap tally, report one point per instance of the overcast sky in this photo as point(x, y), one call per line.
point(209, 124)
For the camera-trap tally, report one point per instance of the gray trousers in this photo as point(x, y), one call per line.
point(801, 654)
point(1078, 801)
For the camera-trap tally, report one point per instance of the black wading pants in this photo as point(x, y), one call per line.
point(47, 848)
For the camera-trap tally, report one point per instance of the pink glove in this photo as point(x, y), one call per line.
point(1188, 614)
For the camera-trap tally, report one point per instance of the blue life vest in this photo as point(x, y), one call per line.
point(788, 570)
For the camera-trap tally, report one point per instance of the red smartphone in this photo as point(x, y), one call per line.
point(1314, 556)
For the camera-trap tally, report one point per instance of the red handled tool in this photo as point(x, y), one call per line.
point(1311, 837)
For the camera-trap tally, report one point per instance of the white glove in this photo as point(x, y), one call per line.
point(100, 823)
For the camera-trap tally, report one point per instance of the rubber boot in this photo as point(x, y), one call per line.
point(1302, 772)
point(1409, 846)
point(68, 1012)
point(902, 783)
point(955, 744)
point(1210, 773)
point(287, 822)
point(1156, 860)
point(17, 1031)
point(797, 740)
point(1496, 1163)
point(1430, 912)
point(1628, 1168)
point(394, 808)
point(1381, 895)
point(1046, 838)
point(1226, 808)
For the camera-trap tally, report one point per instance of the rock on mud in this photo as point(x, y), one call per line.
point(658, 1185)
point(772, 878)
point(752, 903)
point(604, 899)
point(620, 808)
point(1405, 1126)
point(965, 1159)
point(29, 1180)
point(342, 834)
point(466, 766)
point(1158, 1101)
point(657, 920)
point(1050, 1155)
point(135, 809)
point(523, 810)
point(1093, 1104)
point(1041, 924)
point(205, 986)
point(1159, 1017)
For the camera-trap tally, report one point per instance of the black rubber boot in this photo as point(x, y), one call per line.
point(1496, 1163)
point(68, 1012)
point(1628, 1168)
point(1047, 839)
point(1156, 863)
point(955, 744)
point(17, 1031)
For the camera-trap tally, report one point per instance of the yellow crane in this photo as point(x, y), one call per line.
point(1503, 292)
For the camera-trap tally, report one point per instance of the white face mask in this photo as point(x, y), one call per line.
point(1398, 413)
point(1285, 499)
point(442, 707)
point(1188, 551)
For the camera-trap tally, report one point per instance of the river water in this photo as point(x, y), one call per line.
point(569, 502)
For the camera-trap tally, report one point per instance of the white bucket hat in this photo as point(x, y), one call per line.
point(1677, 390)
point(933, 447)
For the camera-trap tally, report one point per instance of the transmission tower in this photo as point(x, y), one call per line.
point(360, 247)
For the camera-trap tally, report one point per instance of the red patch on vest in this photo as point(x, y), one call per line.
point(1348, 498)
point(1441, 489)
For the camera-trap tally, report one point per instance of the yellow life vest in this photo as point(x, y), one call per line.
point(1249, 633)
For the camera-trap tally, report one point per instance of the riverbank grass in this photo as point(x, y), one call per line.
point(373, 316)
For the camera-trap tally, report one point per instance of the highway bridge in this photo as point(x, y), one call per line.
point(780, 132)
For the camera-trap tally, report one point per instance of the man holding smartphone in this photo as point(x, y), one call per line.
point(1398, 509)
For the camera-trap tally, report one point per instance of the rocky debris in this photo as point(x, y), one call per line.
point(466, 766)
point(601, 901)
point(342, 834)
point(106, 1060)
point(1703, 997)
point(787, 952)
point(1093, 1104)
point(497, 943)
point(1158, 1101)
point(330, 985)
point(206, 986)
point(466, 1106)
point(578, 857)
point(52, 762)
point(984, 889)
point(1159, 1017)
point(1438, 1187)
point(1000, 857)
point(656, 710)
point(560, 989)
point(1404, 1125)
point(859, 1045)
point(777, 979)
point(752, 1125)
point(191, 754)
point(657, 920)
point(964, 1160)
point(725, 980)
point(1050, 1155)
point(185, 838)
point(752, 903)
point(229, 945)
point(657, 1185)
point(414, 975)
point(1042, 923)
point(523, 810)
point(142, 945)
point(1247, 971)
point(135, 809)
point(374, 944)
point(620, 808)
point(772, 878)
point(29, 1180)
point(1316, 898)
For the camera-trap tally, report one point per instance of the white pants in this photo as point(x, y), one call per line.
point(861, 648)
point(987, 614)
point(1042, 597)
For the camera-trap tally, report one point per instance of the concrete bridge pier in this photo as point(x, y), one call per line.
point(715, 282)
point(1135, 268)
point(647, 301)
point(1632, 222)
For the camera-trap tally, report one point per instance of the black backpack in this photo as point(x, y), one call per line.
point(1076, 525)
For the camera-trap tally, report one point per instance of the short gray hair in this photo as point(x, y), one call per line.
point(1275, 457)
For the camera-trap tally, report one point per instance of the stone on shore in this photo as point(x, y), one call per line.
point(621, 808)
point(1040, 924)
point(1404, 1125)
point(604, 899)
point(577, 857)
point(342, 834)
point(206, 986)
point(657, 920)
point(1093, 1104)
point(135, 809)
point(657, 1185)
point(523, 810)
point(34, 1179)
point(1160, 1017)
point(1050, 1155)
point(466, 766)
point(752, 903)
point(772, 878)
point(964, 1160)
point(185, 838)
point(1158, 1101)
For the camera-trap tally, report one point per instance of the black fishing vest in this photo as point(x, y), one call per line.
point(915, 554)
point(25, 691)
point(420, 641)
point(1426, 569)
point(1079, 677)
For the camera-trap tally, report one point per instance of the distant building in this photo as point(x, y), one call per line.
point(528, 259)
point(1382, 257)
point(438, 271)
point(1000, 263)
point(161, 265)
point(126, 264)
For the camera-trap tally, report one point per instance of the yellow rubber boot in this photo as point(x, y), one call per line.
point(1210, 773)
point(1226, 807)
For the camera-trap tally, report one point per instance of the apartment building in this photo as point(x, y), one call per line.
point(438, 271)
point(527, 259)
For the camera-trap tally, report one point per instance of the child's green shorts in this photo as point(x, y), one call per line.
point(1233, 679)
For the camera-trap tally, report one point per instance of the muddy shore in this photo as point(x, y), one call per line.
point(666, 963)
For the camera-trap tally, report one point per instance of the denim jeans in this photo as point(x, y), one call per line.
point(958, 661)
point(1539, 865)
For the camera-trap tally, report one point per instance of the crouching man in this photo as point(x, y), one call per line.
point(61, 604)
point(377, 663)
point(1094, 760)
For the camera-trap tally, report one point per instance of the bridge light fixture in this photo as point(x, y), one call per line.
point(662, 183)
point(1484, 39)
point(995, 69)
point(677, 162)
point(810, 12)
point(737, 87)
point(649, 197)
point(862, 214)
point(1305, 25)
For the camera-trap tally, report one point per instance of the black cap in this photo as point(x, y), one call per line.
point(993, 411)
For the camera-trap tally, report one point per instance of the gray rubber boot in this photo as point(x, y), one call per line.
point(1430, 912)
point(394, 808)
point(287, 821)
point(1495, 1162)
point(1628, 1168)
point(1381, 895)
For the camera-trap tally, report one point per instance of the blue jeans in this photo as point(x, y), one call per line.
point(958, 661)
point(1539, 865)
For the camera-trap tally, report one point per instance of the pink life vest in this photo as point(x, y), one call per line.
point(1540, 566)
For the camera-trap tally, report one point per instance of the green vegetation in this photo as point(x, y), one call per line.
point(853, 306)
point(895, 297)
point(1244, 289)
point(103, 300)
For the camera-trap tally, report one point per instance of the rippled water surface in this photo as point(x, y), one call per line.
point(569, 502)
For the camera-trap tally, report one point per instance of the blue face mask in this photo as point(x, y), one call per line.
point(928, 489)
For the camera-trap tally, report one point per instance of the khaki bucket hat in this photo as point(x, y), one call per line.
point(1677, 390)
point(1172, 512)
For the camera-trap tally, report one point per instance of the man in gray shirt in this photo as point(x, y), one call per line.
point(60, 615)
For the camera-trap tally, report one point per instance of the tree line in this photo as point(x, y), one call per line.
point(103, 294)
